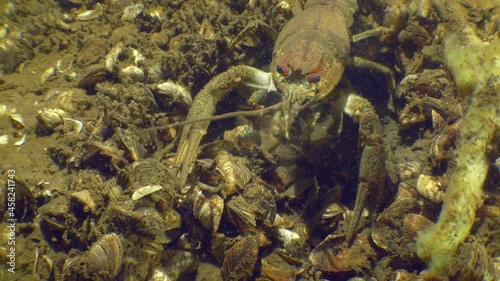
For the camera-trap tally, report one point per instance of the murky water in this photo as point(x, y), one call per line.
point(91, 192)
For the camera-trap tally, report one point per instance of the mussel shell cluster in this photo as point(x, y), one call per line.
point(395, 229)
point(102, 261)
point(151, 172)
point(120, 216)
point(15, 47)
point(256, 204)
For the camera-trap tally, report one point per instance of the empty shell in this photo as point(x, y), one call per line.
point(17, 121)
point(145, 190)
point(90, 14)
point(172, 95)
point(133, 72)
point(65, 63)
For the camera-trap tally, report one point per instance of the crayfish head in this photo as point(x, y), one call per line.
point(297, 94)
point(306, 69)
point(308, 59)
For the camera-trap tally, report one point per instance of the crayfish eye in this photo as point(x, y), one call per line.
point(283, 69)
point(313, 78)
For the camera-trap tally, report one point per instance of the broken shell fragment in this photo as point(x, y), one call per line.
point(4, 139)
point(206, 29)
point(61, 24)
point(90, 14)
point(430, 188)
point(156, 13)
point(150, 172)
point(65, 63)
point(43, 266)
point(49, 72)
point(71, 126)
point(133, 72)
point(208, 210)
point(138, 57)
point(112, 57)
point(4, 110)
point(21, 141)
point(131, 12)
point(145, 190)
point(17, 121)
